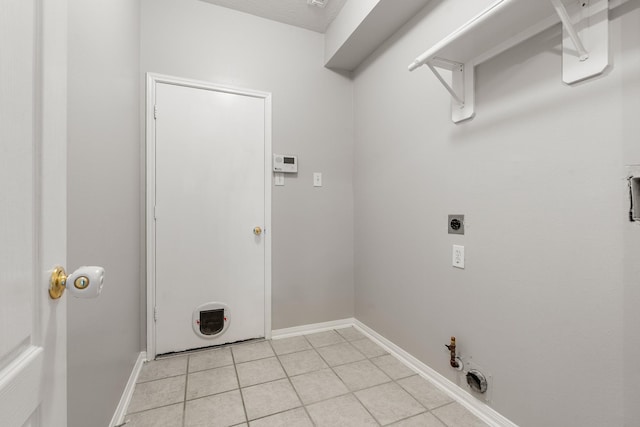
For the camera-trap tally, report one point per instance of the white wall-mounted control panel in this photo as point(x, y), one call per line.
point(285, 163)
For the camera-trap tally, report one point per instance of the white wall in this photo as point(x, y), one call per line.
point(539, 174)
point(312, 118)
point(103, 203)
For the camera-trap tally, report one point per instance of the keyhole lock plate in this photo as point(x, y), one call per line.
point(81, 282)
point(456, 224)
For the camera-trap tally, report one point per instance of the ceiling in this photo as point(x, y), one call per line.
point(293, 12)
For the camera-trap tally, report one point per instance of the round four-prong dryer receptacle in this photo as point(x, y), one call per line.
point(210, 320)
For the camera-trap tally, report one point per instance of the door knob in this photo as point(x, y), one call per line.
point(257, 231)
point(85, 282)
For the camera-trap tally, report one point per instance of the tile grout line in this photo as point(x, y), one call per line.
point(391, 380)
point(442, 406)
point(289, 379)
point(350, 392)
point(235, 368)
point(186, 385)
point(304, 406)
point(152, 409)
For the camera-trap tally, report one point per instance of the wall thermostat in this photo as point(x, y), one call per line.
point(285, 163)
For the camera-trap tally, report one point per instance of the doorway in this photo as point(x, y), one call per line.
point(208, 214)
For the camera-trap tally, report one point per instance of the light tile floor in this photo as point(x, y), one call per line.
point(337, 378)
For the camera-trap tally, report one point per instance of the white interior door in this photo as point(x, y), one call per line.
point(32, 212)
point(210, 195)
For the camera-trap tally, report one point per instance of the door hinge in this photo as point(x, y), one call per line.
point(155, 314)
point(155, 215)
point(155, 112)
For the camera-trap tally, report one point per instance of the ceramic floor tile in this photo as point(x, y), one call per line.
point(344, 411)
point(211, 381)
point(252, 351)
point(422, 420)
point(290, 345)
point(362, 374)
point(392, 367)
point(340, 354)
point(220, 410)
point(167, 416)
point(154, 394)
point(322, 339)
point(302, 362)
point(259, 371)
point(350, 333)
point(318, 385)
point(269, 398)
point(163, 368)
point(368, 348)
point(294, 418)
point(424, 392)
point(389, 403)
point(455, 415)
point(210, 359)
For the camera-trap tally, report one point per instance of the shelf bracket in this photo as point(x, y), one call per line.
point(585, 38)
point(568, 26)
point(461, 88)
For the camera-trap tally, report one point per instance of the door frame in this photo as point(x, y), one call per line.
point(153, 80)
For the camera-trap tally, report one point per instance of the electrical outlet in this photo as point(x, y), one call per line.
point(279, 178)
point(458, 256)
point(317, 179)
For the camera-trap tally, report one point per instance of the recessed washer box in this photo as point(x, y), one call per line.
point(634, 194)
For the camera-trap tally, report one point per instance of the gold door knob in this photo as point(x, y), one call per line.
point(257, 231)
point(57, 283)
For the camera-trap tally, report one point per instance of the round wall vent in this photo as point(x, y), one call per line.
point(477, 381)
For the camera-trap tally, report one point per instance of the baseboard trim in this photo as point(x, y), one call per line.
point(121, 410)
point(314, 327)
point(478, 408)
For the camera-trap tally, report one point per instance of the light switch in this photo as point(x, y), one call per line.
point(317, 179)
point(279, 178)
point(458, 256)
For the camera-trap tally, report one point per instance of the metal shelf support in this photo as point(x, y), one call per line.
point(506, 23)
point(568, 26)
point(461, 89)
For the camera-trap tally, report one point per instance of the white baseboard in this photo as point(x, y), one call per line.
point(121, 410)
point(315, 327)
point(478, 408)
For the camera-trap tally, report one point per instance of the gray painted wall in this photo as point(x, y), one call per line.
point(551, 262)
point(312, 278)
point(103, 203)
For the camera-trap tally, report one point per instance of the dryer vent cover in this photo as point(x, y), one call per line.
point(477, 381)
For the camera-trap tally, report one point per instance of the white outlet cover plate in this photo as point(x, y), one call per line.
point(458, 256)
point(317, 179)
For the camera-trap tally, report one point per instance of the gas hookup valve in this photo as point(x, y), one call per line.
point(454, 361)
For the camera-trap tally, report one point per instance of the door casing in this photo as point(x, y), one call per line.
point(153, 80)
